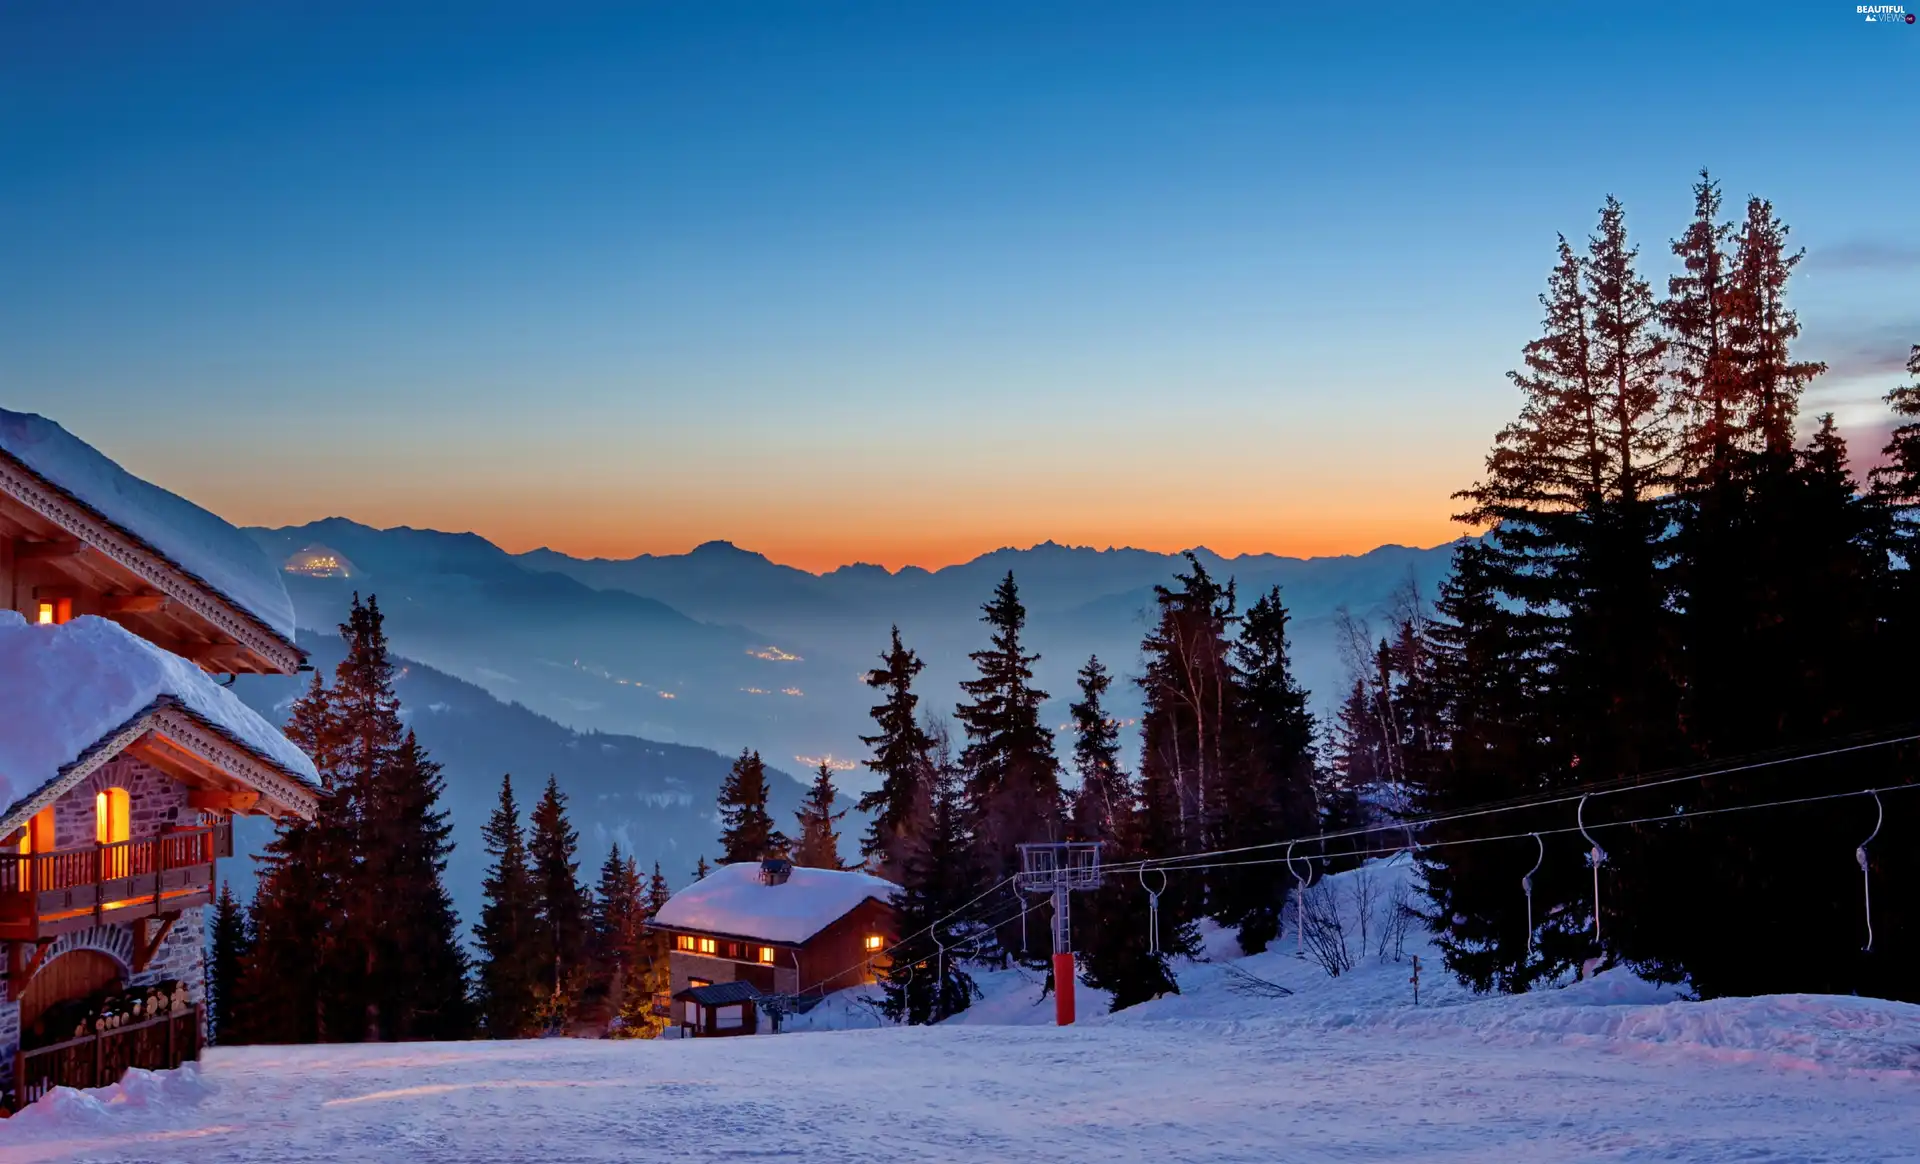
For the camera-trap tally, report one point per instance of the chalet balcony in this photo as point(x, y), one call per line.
point(43, 895)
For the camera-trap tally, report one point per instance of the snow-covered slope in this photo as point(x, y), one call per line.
point(67, 687)
point(1341, 1069)
point(200, 543)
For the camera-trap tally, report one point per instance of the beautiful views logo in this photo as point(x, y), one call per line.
point(1885, 13)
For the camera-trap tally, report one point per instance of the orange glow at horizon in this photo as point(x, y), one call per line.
point(588, 496)
point(826, 540)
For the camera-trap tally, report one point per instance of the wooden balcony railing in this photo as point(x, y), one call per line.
point(99, 1060)
point(43, 894)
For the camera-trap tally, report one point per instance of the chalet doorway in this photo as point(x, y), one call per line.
point(73, 976)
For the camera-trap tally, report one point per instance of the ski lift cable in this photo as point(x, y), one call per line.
point(1570, 796)
point(1866, 879)
point(1570, 829)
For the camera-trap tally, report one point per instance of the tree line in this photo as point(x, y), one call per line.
point(1667, 580)
point(351, 935)
point(1671, 596)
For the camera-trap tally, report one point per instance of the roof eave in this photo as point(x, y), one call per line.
point(140, 556)
point(168, 717)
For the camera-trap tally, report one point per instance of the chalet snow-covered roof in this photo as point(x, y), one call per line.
point(69, 688)
point(198, 543)
point(732, 900)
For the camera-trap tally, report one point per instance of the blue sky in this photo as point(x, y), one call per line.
point(886, 282)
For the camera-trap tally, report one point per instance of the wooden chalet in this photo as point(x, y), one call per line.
point(753, 936)
point(122, 760)
point(79, 535)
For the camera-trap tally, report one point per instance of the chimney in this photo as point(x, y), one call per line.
point(774, 871)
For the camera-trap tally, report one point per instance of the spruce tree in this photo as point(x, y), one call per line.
point(297, 897)
point(417, 986)
point(819, 846)
point(508, 931)
point(1103, 803)
point(1111, 924)
point(1013, 780)
point(657, 890)
point(899, 757)
point(230, 941)
point(648, 977)
point(746, 828)
point(701, 869)
point(1268, 778)
point(560, 906)
point(919, 984)
point(618, 911)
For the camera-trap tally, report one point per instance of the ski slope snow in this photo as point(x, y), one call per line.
point(1341, 1069)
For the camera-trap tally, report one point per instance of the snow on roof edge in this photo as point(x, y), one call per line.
point(91, 479)
point(73, 687)
point(732, 901)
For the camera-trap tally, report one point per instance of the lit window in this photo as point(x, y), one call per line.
point(766, 953)
point(684, 941)
point(54, 611)
point(709, 946)
point(46, 614)
point(873, 942)
point(112, 824)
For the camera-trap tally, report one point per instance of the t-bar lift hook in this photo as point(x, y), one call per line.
point(1526, 887)
point(1153, 906)
point(1299, 900)
point(1596, 856)
point(1860, 855)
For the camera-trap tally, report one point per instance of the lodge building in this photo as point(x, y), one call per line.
point(751, 934)
point(122, 759)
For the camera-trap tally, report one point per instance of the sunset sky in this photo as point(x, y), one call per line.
point(896, 283)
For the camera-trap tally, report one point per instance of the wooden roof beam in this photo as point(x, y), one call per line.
point(133, 603)
point(52, 550)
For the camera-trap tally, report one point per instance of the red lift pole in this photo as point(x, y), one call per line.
point(1059, 869)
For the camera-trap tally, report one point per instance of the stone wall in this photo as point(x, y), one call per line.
point(157, 801)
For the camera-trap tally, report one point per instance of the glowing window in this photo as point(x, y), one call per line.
point(53, 611)
point(709, 946)
point(766, 953)
point(873, 942)
point(684, 941)
point(112, 824)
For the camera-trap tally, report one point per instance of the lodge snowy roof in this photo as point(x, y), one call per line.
point(732, 900)
point(69, 687)
point(201, 544)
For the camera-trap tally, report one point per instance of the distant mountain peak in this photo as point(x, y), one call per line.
point(722, 548)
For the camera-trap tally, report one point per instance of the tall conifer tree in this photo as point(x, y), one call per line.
point(819, 845)
point(899, 757)
point(1012, 776)
point(508, 930)
point(746, 828)
point(229, 943)
point(560, 904)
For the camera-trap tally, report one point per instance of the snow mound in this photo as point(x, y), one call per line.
point(198, 542)
point(732, 900)
point(138, 1091)
point(67, 687)
point(1796, 1031)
